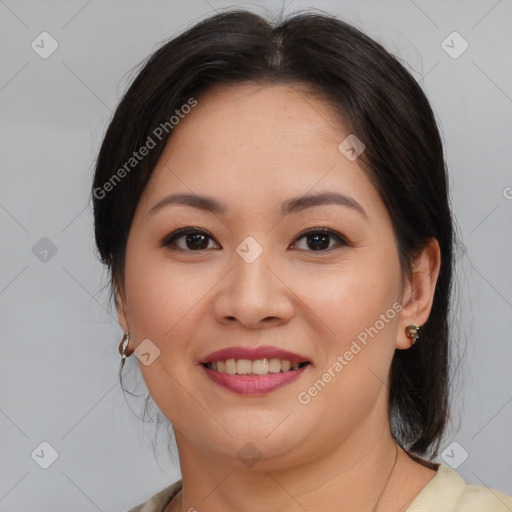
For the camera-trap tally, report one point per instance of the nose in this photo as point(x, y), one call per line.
point(254, 294)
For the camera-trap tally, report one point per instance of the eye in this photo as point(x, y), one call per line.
point(194, 239)
point(319, 239)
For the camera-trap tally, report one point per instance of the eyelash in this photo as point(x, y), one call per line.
point(170, 240)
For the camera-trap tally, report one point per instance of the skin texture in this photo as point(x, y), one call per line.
point(251, 148)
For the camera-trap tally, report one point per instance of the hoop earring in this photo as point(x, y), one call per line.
point(123, 349)
point(412, 332)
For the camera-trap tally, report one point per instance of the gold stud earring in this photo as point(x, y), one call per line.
point(412, 332)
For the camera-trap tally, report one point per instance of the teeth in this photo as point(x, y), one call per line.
point(257, 367)
point(243, 366)
point(275, 365)
point(231, 366)
point(260, 367)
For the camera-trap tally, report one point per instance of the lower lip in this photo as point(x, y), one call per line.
point(254, 385)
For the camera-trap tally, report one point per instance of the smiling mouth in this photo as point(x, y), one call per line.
point(254, 367)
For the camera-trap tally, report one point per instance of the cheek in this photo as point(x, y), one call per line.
point(166, 300)
point(355, 334)
point(351, 298)
point(167, 304)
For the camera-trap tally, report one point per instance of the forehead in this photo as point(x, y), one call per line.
point(251, 115)
point(250, 143)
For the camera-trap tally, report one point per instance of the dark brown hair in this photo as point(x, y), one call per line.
point(382, 104)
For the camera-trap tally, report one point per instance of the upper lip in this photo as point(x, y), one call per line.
point(263, 352)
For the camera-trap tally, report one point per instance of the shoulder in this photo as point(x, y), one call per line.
point(158, 501)
point(448, 492)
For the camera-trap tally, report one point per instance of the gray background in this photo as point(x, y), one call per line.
point(58, 370)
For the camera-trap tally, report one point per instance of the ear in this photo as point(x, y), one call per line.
point(418, 294)
point(121, 311)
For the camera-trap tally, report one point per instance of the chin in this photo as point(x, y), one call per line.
point(262, 444)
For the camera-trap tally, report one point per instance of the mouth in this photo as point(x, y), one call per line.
point(254, 371)
point(255, 367)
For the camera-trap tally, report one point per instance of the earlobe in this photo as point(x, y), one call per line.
point(121, 314)
point(420, 295)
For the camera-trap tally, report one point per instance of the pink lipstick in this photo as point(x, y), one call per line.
point(254, 371)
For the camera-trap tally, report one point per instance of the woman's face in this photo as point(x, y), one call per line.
point(255, 280)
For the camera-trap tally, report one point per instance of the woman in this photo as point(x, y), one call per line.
point(272, 204)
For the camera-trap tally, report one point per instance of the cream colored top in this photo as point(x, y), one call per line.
point(445, 492)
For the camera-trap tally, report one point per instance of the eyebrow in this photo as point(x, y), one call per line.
point(293, 205)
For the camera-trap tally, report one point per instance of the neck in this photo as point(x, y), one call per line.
point(349, 475)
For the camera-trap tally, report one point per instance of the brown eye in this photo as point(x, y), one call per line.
point(187, 239)
point(320, 239)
